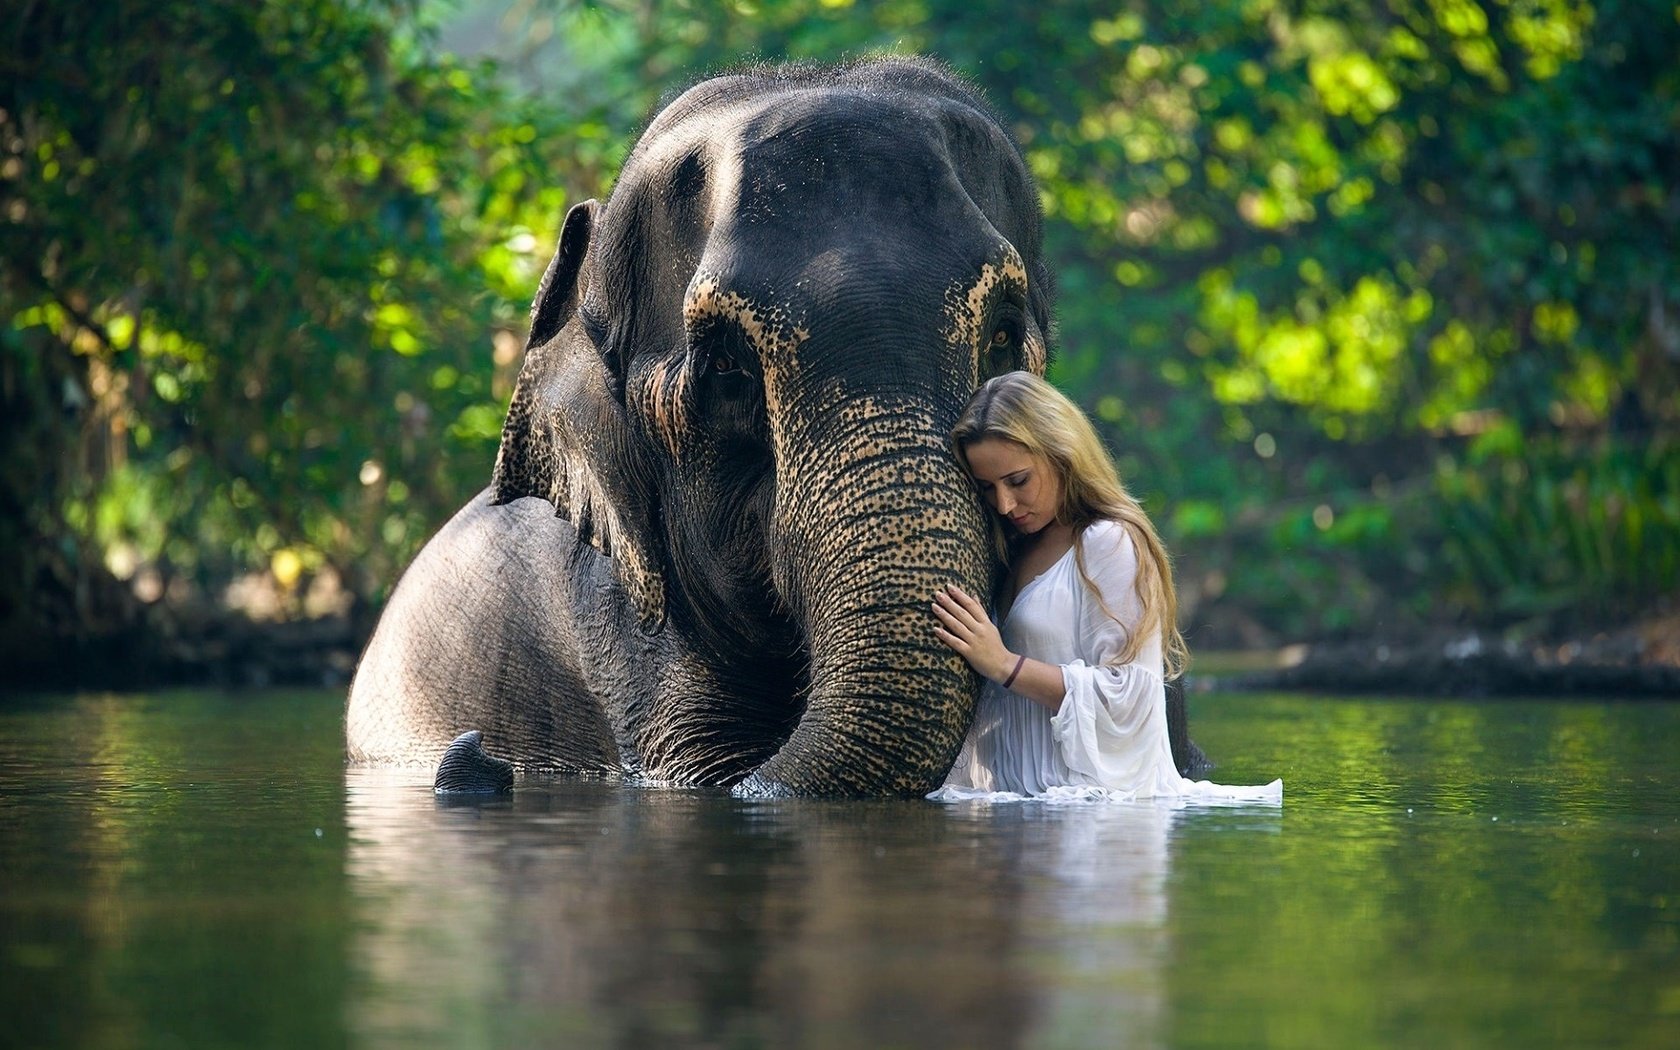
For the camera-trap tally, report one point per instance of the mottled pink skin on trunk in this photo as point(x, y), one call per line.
point(876, 516)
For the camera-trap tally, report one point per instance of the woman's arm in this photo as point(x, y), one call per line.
point(1106, 624)
point(965, 627)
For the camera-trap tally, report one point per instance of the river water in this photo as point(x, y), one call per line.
point(199, 870)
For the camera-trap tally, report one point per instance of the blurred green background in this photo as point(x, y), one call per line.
point(1377, 300)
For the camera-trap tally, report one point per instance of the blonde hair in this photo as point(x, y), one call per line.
point(1022, 408)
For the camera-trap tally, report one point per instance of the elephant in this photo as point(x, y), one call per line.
point(724, 494)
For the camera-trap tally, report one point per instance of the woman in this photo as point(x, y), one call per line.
point(1074, 704)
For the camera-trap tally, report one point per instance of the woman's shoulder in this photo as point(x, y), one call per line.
point(1104, 536)
point(1108, 543)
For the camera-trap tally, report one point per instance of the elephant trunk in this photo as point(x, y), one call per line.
point(879, 519)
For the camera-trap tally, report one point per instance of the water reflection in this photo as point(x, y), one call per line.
point(667, 916)
point(198, 870)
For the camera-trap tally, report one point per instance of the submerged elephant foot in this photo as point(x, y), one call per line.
point(1194, 764)
point(1191, 760)
point(467, 768)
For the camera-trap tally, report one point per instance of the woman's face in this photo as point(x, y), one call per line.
point(1021, 487)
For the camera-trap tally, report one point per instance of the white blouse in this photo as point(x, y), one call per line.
point(1109, 740)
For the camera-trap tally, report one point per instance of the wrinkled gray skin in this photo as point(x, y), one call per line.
point(740, 377)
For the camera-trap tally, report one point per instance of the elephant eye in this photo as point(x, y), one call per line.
point(1007, 331)
point(1004, 345)
point(721, 349)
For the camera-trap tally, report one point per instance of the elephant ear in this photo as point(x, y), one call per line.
point(566, 438)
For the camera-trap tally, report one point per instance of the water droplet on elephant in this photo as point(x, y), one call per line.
point(317, 832)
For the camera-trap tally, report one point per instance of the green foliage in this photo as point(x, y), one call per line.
point(1376, 299)
point(1548, 531)
point(1331, 241)
point(277, 256)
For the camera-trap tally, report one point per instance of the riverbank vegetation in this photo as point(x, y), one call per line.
point(1377, 300)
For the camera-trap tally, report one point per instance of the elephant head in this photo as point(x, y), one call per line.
point(739, 384)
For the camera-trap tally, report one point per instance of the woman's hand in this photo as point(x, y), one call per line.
point(965, 627)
